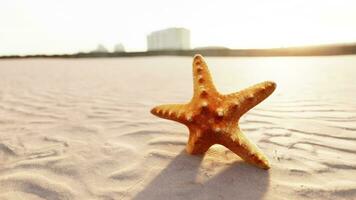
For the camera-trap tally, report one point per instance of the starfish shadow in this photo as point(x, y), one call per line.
point(178, 181)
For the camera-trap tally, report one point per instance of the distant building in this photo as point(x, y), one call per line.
point(119, 48)
point(169, 39)
point(100, 49)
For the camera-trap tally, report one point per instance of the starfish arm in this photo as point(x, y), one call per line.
point(203, 83)
point(198, 143)
point(175, 112)
point(251, 96)
point(238, 143)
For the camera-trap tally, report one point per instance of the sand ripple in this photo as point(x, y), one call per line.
point(81, 129)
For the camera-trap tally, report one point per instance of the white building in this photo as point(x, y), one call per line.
point(169, 39)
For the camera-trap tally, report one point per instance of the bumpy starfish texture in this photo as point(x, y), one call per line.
point(212, 118)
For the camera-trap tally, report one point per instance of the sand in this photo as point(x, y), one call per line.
point(81, 129)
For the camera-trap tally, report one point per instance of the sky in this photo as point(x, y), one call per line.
point(69, 26)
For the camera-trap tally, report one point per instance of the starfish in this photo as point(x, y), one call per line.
point(212, 118)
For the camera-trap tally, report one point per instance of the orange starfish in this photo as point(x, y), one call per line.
point(212, 118)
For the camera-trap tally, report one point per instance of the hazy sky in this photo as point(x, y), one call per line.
point(66, 26)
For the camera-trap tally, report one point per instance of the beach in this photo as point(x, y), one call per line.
point(82, 129)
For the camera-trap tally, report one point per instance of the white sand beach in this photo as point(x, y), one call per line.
point(82, 129)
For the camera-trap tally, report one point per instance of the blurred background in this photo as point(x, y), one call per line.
point(68, 27)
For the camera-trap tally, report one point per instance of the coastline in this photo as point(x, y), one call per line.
point(320, 50)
